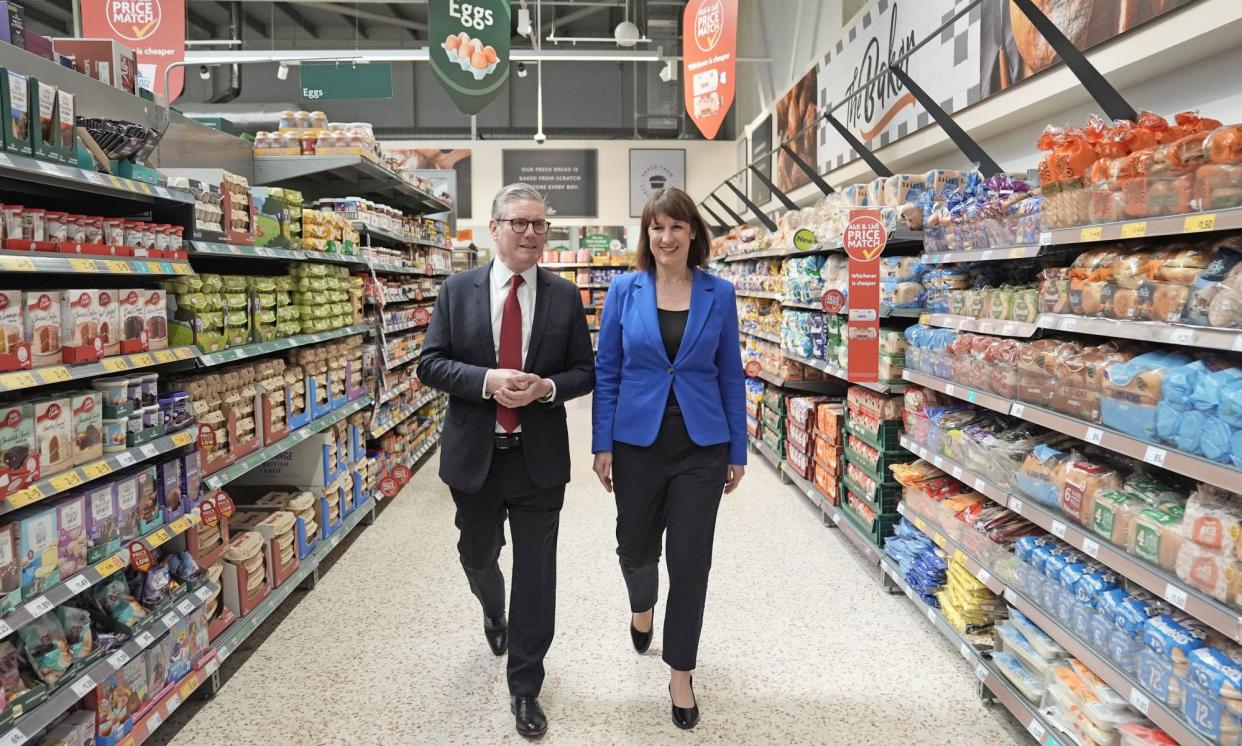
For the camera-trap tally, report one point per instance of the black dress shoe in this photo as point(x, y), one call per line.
point(528, 716)
point(685, 717)
point(497, 633)
point(641, 640)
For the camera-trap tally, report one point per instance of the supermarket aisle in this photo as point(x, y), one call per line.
point(800, 644)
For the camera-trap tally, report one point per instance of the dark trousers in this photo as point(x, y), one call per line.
point(534, 517)
point(672, 485)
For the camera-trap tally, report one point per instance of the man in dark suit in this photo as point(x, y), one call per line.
point(509, 343)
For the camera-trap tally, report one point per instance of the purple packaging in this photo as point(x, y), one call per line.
point(191, 479)
point(71, 515)
point(127, 507)
point(169, 483)
point(102, 528)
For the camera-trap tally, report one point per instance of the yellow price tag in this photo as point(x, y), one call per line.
point(185, 353)
point(155, 268)
point(124, 268)
point(181, 525)
point(21, 380)
point(55, 374)
point(921, 524)
point(140, 360)
point(164, 356)
point(109, 566)
point(143, 186)
point(182, 438)
point(35, 493)
point(1134, 230)
point(128, 185)
point(129, 741)
point(1198, 223)
point(938, 539)
point(16, 264)
point(23, 498)
point(83, 265)
point(158, 537)
point(1016, 252)
point(925, 319)
point(1093, 233)
point(181, 269)
point(959, 556)
point(97, 469)
point(188, 687)
point(115, 181)
point(66, 481)
point(113, 364)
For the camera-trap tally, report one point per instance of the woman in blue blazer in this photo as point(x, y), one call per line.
point(669, 425)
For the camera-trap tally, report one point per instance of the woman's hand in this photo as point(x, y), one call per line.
point(603, 469)
point(734, 479)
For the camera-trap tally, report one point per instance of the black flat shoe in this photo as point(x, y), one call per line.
point(497, 633)
point(528, 717)
point(641, 640)
point(685, 717)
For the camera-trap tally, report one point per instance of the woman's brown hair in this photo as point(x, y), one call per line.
point(676, 205)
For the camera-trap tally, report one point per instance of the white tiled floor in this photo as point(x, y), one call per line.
point(800, 644)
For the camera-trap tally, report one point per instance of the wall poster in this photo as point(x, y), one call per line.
point(653, 169)
point(794, 111)
point(568, 179)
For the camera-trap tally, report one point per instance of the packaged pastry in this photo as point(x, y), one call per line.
point(155, 318)
point(1213, 520)
point(87, 411)
point(40, 550)
point(54, 432)
point(42, 325)
point(1219, 576)
point(133, 316)
point(1219, 671)
point(73, 541)
point(1042, 476)
point(1157, 536)
point(108, 320)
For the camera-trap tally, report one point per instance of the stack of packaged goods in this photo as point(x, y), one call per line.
point(773, 420)
point(828, 453)
point(918, 561)
point(873, 431)
point(329, 232)
point(754, 408)
point(800, 424)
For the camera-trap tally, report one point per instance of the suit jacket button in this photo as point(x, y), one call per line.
point(670, 371)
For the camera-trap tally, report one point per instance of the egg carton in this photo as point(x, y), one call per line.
point(476, 64)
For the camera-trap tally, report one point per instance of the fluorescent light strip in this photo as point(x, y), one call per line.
point(229, 57)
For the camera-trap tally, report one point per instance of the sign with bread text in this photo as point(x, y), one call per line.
point(469, 50)
point(709, 60)
point(864, 242)
point(153, 29)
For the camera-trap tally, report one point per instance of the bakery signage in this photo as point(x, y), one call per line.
point(709, 58)
point(469, 49)
point(864, 242)
point(153, 29)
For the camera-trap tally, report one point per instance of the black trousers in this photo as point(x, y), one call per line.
point(534, 518)
point(671, 486)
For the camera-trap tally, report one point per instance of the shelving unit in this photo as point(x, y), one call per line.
point(86, 264)
point(255, 349)
point(322, 176)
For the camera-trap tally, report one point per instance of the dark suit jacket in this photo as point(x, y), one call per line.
point(457, 353)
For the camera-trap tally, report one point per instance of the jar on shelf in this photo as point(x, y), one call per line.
point(302, 120)
point(309, 141)
point(287, 120)
point(318, 120)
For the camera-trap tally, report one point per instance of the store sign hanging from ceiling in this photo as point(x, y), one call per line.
point(153, 29)
point(344, 81)
point(469, 50)
point(709, 53)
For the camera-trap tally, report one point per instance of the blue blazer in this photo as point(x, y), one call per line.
point(633, 373)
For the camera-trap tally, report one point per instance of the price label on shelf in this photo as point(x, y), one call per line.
point(39, 607)
point(1175, 596)
point(989, 255)
point(1137, 229)
point(983, 575)
point(184, 353)
point(937, 461)
point(55, 374)
point(1093, 233)
point(97, 469)
point(77, 584)
point(186, 607)
point(1094, 435)
point(1015, 505)
point(141, 360)
point(964, 651)
point(1091, 548)
point(173, 703)
point(126, 459)
point(22, 380)
point(1155, 456)
point(1182, 336)
point(1017, 252)
point(1045, 238)
point(981, 672)
point(16, 264)
point(170, 619)
point(83, 686)
point(83, 265)
point(154, 720)
point(189, 686)
point(144, 639)
point(1058, 529)
point(66, 481)
point(114, 364)
point(957, 472)
point(203, 593)
point(149, 450)
point(118, 267)
point(1017, 410)
point(1037, 730)
point(1199, 223)
point(109, 566)
point(1139, 700)
point(14, 737)
point(118, 659)
point(1069, 325)
point(1009, 330)
point(980, 485)
point(181, 525)
point(950, 389)
point(182, 438)
point(159, 537)
point(165, 356)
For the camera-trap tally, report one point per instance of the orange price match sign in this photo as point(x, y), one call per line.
point(709, 53)
point(864, 242)
point(153, 29)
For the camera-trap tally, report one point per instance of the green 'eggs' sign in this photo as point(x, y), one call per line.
point(469, 48)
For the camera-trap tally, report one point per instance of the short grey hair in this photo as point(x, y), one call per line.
point(515, 192)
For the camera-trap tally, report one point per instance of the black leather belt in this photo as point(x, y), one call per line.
point(505, 442)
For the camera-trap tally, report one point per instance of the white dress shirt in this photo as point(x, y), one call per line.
point(501, 277)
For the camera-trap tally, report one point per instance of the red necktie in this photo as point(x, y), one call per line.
point(510, 348)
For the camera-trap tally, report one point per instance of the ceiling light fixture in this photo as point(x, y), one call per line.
point(627, 33)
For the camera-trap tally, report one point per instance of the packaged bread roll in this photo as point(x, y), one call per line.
point(1219, 671)
point(1083, 480)
point(1218, 575)
point(1157, 536)
point(1173, 639)
point(1213, 520)
point(1113, 516)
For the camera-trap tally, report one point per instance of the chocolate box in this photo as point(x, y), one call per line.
point(127, 511)
point(45, 134)
point(191, 479)
point(180, 660)
point(42, 324)
point(15, 111)
point(172, 501)
point(54, 433)
point(133, 318)
point(102, 527)
point(10, 569)
point(66, 137)
point(150, 513)
point(40, 550)
point(72, 545)
point(102, 59)
point(155, 318)
point(88, 430)
point(108, 320)
point(18, 448)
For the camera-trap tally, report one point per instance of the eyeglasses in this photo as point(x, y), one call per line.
point(519, 225)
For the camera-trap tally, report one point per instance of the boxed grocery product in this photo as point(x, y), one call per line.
point(16, 111)
point(150, 512)
point(102, 59)
point(54, 433)
point(180, 650)
point(79, 331)
point(134, 674)
point(45, 133)
point(14, 344)
point(102, 528)
point(128, 513)
point(191, 479)
point(71, 517)
point(108, 320)
point(172, 501)
point(133, 320)
point(19, 448)
point(42, 326)
point(66, 137)
point(110, 703)
point(40, 550)
point(10, 569)
point(87, 426)
point(155, 318)
point(159, 658)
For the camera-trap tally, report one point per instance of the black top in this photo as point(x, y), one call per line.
point(672, 329)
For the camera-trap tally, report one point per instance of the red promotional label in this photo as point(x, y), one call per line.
point(208, 513)
point(224, 504)
point(389, 487)
point(402, 473)
point(833, 300)
point(153, 29)
point(753, 368)
point(206, 438)
point(139, 557)
point(709, 52)
point(864, 241)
